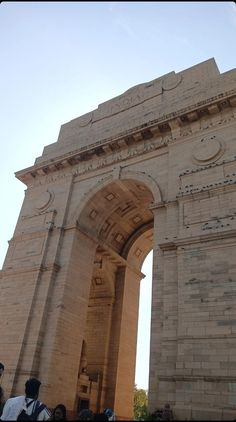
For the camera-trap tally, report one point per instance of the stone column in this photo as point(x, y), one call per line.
point(28, 274)
point(66, 320)
point(167, 362)
point(206, 363)
point(122, 356)
point(156, 328)
point(159, 213)
point(164, 319)
point(98, 331)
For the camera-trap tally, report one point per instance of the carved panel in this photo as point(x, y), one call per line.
point(119, 238)
point(203, 210)
point(136, 219)
point(125, 209)
point(106, 229)
point(138, 252)
point(201, 179)
point(110, 197)
point(28, 248)
point(32, 222)
point(93, 214)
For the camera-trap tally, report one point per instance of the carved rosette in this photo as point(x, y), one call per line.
point(207, 150)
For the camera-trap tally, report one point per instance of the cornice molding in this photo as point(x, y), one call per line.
point(164, 128)
point(190, 240)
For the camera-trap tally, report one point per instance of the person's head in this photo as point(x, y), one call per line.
point(109, 413)
point(1, 369)
point(85, 415)
point(59, 413)
point(32, 388)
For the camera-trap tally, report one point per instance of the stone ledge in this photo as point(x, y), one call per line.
point(174, 244)
point(187, 378)
point(101, 147)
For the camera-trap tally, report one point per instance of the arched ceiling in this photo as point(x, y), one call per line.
point(118, 215)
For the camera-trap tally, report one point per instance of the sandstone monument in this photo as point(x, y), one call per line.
point(154, 168)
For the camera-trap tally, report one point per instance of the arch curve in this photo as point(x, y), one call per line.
point(115, 176)
point(144, 178)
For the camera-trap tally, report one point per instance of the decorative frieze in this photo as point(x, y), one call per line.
point(137, 141)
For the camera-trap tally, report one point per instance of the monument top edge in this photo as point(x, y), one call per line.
point(141, 104)
point(171, 79)
point(210, 63)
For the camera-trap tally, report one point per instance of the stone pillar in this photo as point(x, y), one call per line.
point(122, 355)
point(167, 363)
point(157, 306)
point(156, 328)
point(98, 331)
point(66, 320)
point(164, 317)
point(206, 362)
point(28, 274)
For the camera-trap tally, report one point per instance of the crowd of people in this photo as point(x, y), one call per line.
point(88, 415)
point(27, 407)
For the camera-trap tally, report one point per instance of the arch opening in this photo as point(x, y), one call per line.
point(144, 326)
point(119, 219)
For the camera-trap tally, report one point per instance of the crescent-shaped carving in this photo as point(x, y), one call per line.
point(85, 119)
point(171, 82)
point(44, 201)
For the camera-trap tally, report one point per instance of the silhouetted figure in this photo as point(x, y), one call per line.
point(1, 372)
point(26, 407)
point(85, 415)
point(167, 414)
point(59, 413)
point(2, 400)
point(110, 414)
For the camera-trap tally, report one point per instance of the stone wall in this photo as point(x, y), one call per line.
point(154, 168)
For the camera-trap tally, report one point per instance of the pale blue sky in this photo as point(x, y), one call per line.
point(60, 60)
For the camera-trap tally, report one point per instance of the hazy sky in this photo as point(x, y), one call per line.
point(60, 60)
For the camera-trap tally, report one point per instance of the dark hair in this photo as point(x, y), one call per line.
point(1, 366)
point(62, 408)
point(108, 412)
point(85, 415)
point(32, 387)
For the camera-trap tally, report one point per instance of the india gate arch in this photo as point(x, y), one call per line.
point(154, 168)
point(124, 227)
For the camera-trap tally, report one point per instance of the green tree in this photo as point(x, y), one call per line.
point(140, 403)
